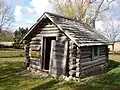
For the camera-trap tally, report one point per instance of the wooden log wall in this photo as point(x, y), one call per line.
point(46, 29)
point(93, 65)
point(82, 64)
point(103, 50)
point(72, 59)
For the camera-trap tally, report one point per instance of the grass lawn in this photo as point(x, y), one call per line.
point(115, 57)
point(10, 53)
point(11, 80)
point(10, 49)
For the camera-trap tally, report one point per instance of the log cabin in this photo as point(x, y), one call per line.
point(60, 45)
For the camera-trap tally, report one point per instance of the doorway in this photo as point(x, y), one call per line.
point(47, 51)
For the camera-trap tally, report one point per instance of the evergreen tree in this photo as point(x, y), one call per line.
point(18, 35)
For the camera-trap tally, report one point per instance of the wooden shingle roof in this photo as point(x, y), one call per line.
point(81, 34)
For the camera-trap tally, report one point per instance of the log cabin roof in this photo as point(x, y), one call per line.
point(81, 34)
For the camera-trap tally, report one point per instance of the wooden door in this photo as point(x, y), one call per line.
point(58, 58)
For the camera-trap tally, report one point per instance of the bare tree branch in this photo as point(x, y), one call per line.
point(85, 10)
point(6, 15)
point(112, 29)
point(97, 10)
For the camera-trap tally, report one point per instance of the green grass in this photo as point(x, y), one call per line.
point(10, 49)
point(115, 57)
point(114, 61)
point(11, 53)
point(11, 80)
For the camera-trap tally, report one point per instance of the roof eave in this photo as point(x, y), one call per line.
point(61, 29)
point(93, 44)
point(33, 26)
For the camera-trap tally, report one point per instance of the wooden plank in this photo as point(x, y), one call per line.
point(85, 56)
point(60, 50)
point(51, 57)
point(59, 58)
point(59, 54)
point(65, 57)
point(48, 29)
point(86, 52)
point(41, 58)
point(85, 49)
point(98, 57)
point(44, 52)
point(39, 35)
point(85, 60)
point(93, 62)
point(48, 25)
point(34, 58)
point(56, 73)
point(48, 35)
point(35, 47)
point(59, 45)
point(57, 66)
point(36, 38)
point(96, 64)
point(35, 42)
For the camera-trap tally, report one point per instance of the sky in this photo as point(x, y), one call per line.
point(26, 12)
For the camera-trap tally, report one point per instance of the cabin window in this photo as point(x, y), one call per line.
point(95, 51)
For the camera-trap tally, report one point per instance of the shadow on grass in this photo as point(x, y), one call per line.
point(10, 68)
point(112, 64)
point(109, 81)
point(8, 74)
point(46, 85)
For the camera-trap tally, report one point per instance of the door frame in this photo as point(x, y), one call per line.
point(42, 52)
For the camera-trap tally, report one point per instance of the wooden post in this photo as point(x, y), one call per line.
point(27, 57)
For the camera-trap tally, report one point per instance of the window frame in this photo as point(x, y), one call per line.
point(93, 52)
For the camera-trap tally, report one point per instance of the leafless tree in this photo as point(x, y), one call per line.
point(6, 15)
point(112, 30)
point(86, 10)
